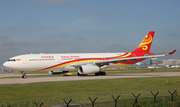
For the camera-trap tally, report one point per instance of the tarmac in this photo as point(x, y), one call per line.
point(76, 78)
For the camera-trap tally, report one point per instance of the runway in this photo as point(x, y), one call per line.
point(75, 78)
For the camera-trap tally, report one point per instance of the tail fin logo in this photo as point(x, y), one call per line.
point(144, 44)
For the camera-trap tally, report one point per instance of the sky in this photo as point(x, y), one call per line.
point(87, 26)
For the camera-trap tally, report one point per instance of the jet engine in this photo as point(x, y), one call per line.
point(57, 72)
point(87, 69)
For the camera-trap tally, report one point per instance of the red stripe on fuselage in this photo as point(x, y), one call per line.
point(93, 59)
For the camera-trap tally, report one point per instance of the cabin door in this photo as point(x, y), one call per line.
point(59, 59)
point(24, 60)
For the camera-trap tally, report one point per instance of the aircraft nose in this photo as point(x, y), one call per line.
point(8, 65)
point(5, 64)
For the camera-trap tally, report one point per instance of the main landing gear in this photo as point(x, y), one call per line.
point(96, 74)
point(24, 75)
point(100, 73)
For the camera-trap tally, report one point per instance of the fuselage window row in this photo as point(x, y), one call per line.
point(67, 58)
point(40, 59)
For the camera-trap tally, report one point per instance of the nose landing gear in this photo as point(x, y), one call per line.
point(24, 75)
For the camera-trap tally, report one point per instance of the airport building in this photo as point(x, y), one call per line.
point(169, 62)
point(153, 62)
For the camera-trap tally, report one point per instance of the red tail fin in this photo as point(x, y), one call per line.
point(145, 45)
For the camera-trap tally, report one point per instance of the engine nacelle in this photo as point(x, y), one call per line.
point(57, 72)
point(87, 69)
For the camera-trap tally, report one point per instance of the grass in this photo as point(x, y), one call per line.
point(19, 92)
point(50, 89)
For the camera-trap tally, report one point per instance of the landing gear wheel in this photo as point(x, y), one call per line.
point(97, 74)
point(24, 76)
point(100, 73)
point(103, 73)
point(78, 74)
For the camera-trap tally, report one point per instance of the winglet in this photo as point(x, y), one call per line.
point(170, 53)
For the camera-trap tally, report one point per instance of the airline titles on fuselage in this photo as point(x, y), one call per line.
point(69, 56)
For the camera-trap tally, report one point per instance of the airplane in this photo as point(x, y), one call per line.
point(83, 63)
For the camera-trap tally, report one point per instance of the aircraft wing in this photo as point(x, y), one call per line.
point(104, 62)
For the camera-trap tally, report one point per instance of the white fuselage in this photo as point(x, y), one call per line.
point(52, 62)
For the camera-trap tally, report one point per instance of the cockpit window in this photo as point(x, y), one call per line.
point(11, 60)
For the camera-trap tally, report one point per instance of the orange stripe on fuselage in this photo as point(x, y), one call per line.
point(91, 60)
point(70, 62)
